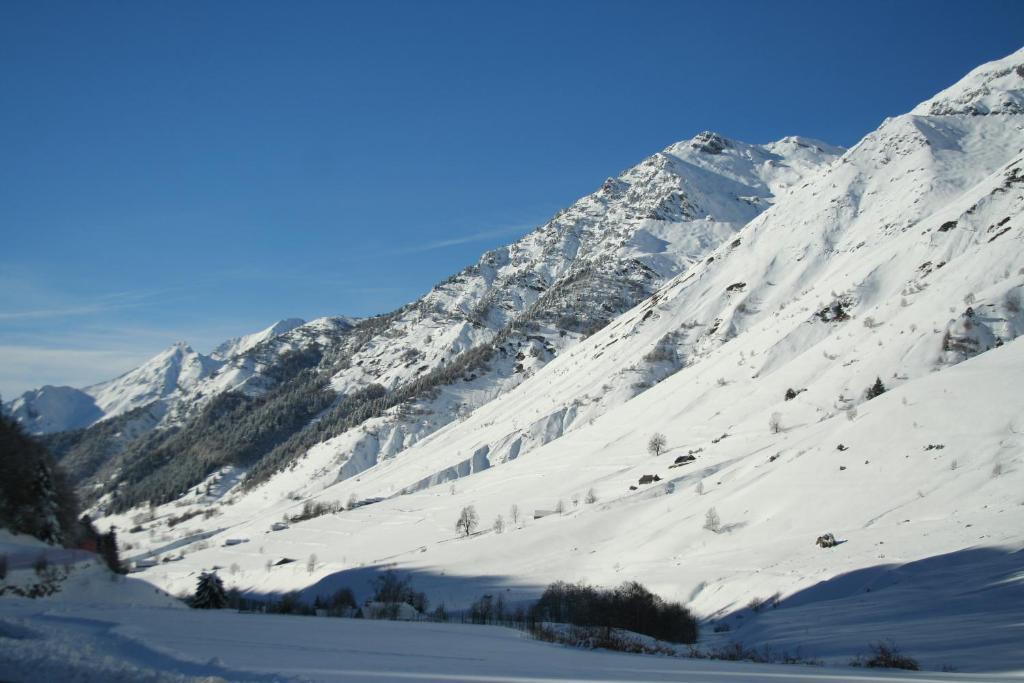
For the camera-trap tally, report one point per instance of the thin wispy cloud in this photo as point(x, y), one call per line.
point(56, 312)
point(103, 303)
point(57, 335)
point(479, 236)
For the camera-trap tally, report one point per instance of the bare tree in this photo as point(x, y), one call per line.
point(560, 507)
point(468, 520)
point(513, 514)
point(712, 521)
point(311, 563)
point(775, 423)
point(656, 446)
point(700, 488)
point(499, 524)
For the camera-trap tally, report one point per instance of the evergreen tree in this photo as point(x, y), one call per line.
point(210, 592)
point(35, 497)
point(106, 546)
point(876, 389)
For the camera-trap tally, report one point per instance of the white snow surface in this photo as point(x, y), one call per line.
point(100, 628)
point(239, 345)
point(992, 88)
point(902, 260)
point(178, 368)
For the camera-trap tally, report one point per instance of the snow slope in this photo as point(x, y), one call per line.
point(178, 368)
point(100, 644)
point(902, 261)
point(99, 628)
point(471, 338)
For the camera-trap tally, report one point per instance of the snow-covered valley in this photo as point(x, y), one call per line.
point(827, 341)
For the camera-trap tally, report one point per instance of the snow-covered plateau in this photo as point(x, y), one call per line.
point(827, 340)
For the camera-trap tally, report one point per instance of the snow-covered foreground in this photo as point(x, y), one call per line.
point(101, 627)
point(39, 641)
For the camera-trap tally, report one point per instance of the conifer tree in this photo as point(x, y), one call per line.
point(210, 592)
point(107, 549)
point(876, 389)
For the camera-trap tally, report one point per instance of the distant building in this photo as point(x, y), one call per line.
point(144, 563)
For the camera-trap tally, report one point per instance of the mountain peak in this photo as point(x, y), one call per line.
point(239, 345)
point(996, 87)
point(799, 141)
point(710, 142)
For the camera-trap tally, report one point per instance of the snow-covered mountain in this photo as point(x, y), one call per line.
point(762, 291)
point(55, 409)
point(160, 384)
point(239, 345)
point(469, 339)
point(178, 368)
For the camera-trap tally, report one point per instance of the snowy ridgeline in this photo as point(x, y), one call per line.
point(471, 338)
point(834, 351)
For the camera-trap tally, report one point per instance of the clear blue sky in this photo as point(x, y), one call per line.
point(197, 170)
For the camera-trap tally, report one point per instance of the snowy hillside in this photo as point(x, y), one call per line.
point(768, 321)
point(526, 303)
point(470, 339)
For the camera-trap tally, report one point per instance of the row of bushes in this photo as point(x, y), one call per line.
point(630, 607)
point(313, 509)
